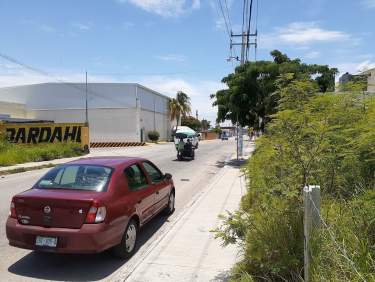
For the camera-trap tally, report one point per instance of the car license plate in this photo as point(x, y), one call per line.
point(46, 241)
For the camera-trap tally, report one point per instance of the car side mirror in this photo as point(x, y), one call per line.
point(168, 176)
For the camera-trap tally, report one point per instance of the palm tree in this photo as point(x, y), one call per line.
point(179, 107)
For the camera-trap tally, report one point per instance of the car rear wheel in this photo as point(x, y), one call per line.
point(128, 243)
point(169, 209)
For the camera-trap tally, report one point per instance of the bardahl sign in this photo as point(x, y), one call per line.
point(32, 133)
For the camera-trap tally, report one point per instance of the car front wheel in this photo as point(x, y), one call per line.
point(169, 209)
point(128, 243)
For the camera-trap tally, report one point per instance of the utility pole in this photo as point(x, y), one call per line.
point(245, 45)
point(311, 221)
point(86, 107)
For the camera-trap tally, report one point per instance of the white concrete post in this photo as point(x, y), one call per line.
point(311, 199)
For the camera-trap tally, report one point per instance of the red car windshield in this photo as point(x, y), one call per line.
point(76, 177)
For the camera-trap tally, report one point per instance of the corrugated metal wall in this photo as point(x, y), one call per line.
point(112, 108)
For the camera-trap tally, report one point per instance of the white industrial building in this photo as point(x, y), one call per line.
point(117, 112)
point(370, 79)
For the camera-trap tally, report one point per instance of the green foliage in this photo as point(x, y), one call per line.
point(11, 154)
point(357, 83)
point(153, 135)
point(324, 139)
point(217, 129)
point(191, 122)
point(179, 106)
point(249, 97)
point(205, 124)
point(345, 251)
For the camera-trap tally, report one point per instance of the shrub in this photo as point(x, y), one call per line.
point(153, 135)
point(11, 154)
point(328, 140)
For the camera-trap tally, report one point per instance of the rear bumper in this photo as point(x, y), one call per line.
point(90, 238)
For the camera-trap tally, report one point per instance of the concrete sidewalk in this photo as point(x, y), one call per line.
point(188, 251)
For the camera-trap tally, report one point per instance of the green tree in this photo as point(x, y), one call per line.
point(191, 122)
point(205, 124)
point(179, 107)
point(251, 97)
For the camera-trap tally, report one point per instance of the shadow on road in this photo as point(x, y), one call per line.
point(183, 160)
point(62, 267)
point(233, 163)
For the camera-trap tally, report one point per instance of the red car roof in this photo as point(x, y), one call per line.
point(111, 161)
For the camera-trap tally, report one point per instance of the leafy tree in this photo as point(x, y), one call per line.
point(250, 98)
point(205, 124)
point(191, 122)
point(179, 107)
point(217, 129)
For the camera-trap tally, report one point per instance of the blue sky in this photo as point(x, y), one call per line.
point(172, 45)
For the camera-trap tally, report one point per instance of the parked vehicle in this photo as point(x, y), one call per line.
point(190, 133)
point(90, 205)
point(224, 136)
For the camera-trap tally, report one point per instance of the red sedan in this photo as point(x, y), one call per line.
point(90, 205)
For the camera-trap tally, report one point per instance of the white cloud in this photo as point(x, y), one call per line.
point(82, 26)
point(165, 8)
point(306, 32)
point(301, 34)
point(198, 90)
point(368, 3)
point(355, 67)
point(172, 58)
point(47, 28)
point(312, 55)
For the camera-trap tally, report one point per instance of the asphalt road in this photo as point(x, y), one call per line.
point(190, 178)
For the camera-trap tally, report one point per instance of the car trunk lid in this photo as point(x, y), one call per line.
point(54, 208)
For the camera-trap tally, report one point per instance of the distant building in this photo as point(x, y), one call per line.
point(117, 112)
point(368, 75)
point(345, 78)
point(370, 79)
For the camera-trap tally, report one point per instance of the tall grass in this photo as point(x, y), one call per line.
point(11, 154)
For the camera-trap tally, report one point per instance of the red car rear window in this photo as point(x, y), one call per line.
point(76, 177)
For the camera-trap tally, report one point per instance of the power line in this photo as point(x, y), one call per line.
point(228, 14)
point(44, 73)
point(248, 30)
point(225, 19)
point(256, 31)
point(228, 25)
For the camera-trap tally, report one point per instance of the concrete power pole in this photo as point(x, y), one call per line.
point(245, 45)
point(311, 199)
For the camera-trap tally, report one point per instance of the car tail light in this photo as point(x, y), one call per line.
point(96, 214)
point(12, 211)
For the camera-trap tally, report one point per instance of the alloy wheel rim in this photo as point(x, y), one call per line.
point(131, 236)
